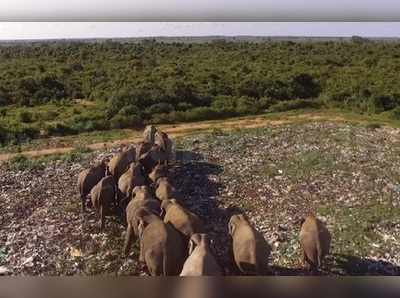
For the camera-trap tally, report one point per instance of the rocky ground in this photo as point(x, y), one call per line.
point(348, 175)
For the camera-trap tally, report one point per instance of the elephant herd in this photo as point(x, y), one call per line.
point(136, 185)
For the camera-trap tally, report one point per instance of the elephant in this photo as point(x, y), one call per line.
point(141, 193)
point(148, 134)
point(161, 247)
point(150, 204)
point(162, 139)
point(165, 190)
point(315, 241)
point(103, 197)
point(120, 162)
point(158, 172)
point(250, 250)
point(156, 155)
point(88, 178)
point(186, 222)
point(201, 261)
point(133, 177)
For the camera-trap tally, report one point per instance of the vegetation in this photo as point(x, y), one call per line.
point(49, 89)
point(21, 162)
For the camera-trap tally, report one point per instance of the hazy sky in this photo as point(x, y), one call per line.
point(24, 30)
point(200, 10)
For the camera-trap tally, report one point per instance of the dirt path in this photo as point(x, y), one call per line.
point(178, 130)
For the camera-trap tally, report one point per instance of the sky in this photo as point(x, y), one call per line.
point(50, 30)
point(199, 10)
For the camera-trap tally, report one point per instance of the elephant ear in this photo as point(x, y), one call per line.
point(107, 171)
point(232, 228)
point(192, 246)
point(162, 212)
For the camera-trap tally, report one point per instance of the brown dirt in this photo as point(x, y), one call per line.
point(178, 130)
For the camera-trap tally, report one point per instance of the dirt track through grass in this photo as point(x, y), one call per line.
point(179, 130)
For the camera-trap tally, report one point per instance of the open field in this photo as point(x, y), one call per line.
point(275, 168)
point(111, 138)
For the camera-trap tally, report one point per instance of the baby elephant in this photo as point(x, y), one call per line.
point(161, 247)
point(103, 197)
point(165, 190)
point(88, 178)
point(182, 219)
point(134, 176)
point(250, 250)
point(201, 261)
point(315, 241)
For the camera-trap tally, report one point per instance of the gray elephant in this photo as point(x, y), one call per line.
point(133, 177)
point(201, 261)
point(119, 162)
point(250, 250)
point(103, 197)
point(88, 178)
point(148, 134)
point(161, 247)
point(315, 241)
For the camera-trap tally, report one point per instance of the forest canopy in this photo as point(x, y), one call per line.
point(131, 84)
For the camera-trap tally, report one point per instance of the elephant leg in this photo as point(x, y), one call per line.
point(141, 255)
point(128, 240)
point(83, 200)
point(102, 217)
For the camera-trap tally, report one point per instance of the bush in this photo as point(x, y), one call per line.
point(295, 105)
point(60, 129)
point(184, 106)
point(382, 103)
point(304, 86)
point(121, 121)
point(266, 102)
point(395, 113)
point(21, 162)
point(160, 108)
point(247, 105)
point(373, 125)
point(224, 102)
point(130, 110)
point(25, 116)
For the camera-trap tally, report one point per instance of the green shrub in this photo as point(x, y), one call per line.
point(395, 113)
point(226, 102)
point(160, 108)
point(184, 106)
point(295, 105)
point(266, 102)
point(121, 121)
point(20, 163)
point(25, 116)
point(201, 113)
point(373, 125)
point(3, 112)
point(382, 103)
point(59, 129)
point(247, 105)
point(164, 118)
point(49, 115)
point(304, 86)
